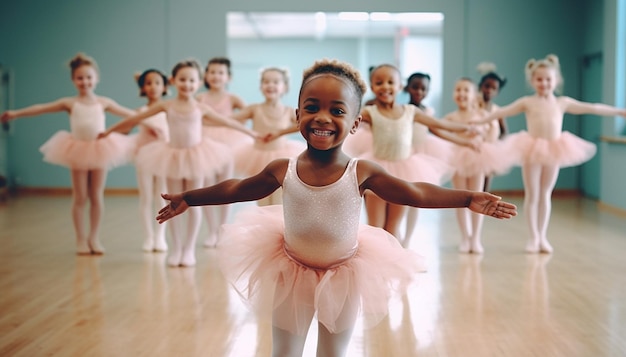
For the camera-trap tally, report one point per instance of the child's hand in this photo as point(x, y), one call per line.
point(103, 135)
point(6, 116)
point(491, 205)
point(271, 136)
point(176, 206)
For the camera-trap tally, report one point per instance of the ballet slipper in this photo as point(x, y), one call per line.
point(545, 247)
point(173, 260)
point(96, 247)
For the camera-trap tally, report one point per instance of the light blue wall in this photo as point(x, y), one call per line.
point(39, 37)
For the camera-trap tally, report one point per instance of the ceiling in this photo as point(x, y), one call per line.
point(266, 25)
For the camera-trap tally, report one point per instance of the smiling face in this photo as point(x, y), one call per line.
point(85, 79)
point(385, 84)
point(273, 84)
point(464, 94)
point(153, 86)
point(217, 75)
point(328, 110)
point(418, 89)
point(544, 80)
point(187, 81)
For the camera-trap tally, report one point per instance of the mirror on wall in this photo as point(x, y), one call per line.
point(411, 41)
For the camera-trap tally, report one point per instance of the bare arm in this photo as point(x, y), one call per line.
point(244, 114)
point(126, 125)
point(576, 107)
point(432, 122)
point(63, 104)
point(215, 117)
point(425, 195)
point(113, 107)
point(456, 139)
point(238, 103)
point(229, 191)
point(517, 107)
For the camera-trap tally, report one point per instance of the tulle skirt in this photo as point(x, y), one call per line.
point(253, 259)
point(250, 160)
point(567, 150)
point(357, 144)
point(493, 158)
point(436, 147)
point(65, 150)
point(416, 168)
point(206, 160)
point(225, 135)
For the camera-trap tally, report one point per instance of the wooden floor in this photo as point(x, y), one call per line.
point(129, 303)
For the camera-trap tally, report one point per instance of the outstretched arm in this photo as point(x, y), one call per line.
point(126, 125)
point(574, 106)
point(113, 107)
point(63, 104)
point(215, 117)
point(229, 191)
point(432, 122)
point(517, 107)
point(425, 195)
point(473, 143)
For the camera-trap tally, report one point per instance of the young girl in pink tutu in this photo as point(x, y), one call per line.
point(217, 75)
point(188, 158)
point(152, 85)
point(87, 158)
point(313, 258)
point(545, 147)
point(392, 129)
point(489, 87)
point(271, 119)
point(471, 166)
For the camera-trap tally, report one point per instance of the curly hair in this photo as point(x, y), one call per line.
point(339, 69)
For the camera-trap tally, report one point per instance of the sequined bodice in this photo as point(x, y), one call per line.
point(87, 120)
point(321, 222)
point(392, 138)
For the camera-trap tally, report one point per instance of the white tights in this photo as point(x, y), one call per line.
point(384, 215)
point(150, 189)
point(183, 247)
point(216, 216)
point(539, 181)
point(88, 186)
point(470, 223)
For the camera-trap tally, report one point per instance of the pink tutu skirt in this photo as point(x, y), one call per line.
point(416, 168)
point(493, 158)
point(567, 150)
point(357, 144)
point(436, 147)
point(205, 160)
point(250, 160)
point(65, 150)
point(253, 259)
point(225, 135)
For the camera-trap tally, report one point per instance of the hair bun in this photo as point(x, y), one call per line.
point(485, 67)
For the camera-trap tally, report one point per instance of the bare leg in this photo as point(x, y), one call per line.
point(395, 213)
point(411, 223)
point(79, 202)
point(462, 216)
point(97, 181)
point(188, 258)
point(376, 210)
point(531, 174)
point(549, 175)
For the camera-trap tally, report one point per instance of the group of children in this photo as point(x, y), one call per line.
point(311, 255)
